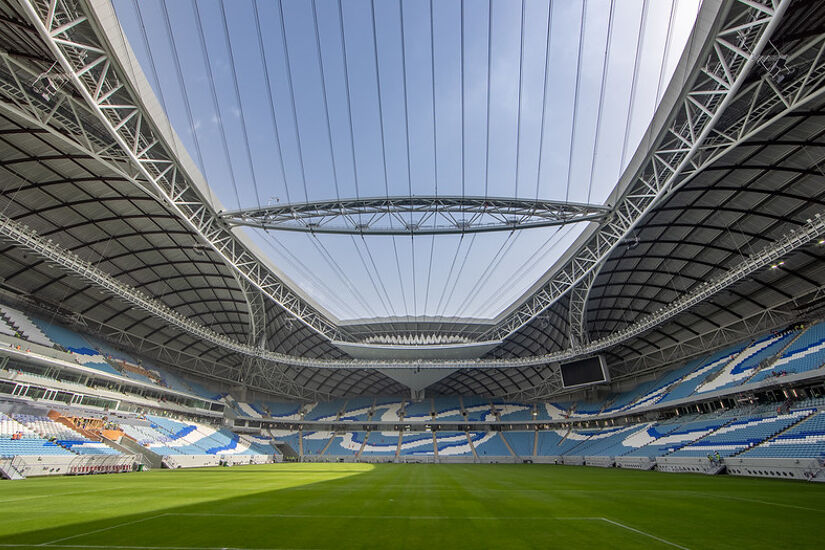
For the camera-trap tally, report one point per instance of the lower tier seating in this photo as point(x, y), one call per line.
point(804, 440)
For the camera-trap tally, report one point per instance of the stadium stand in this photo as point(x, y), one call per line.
point(357, 409)
point(743, 366)
point(805, 354)
point(23, 325)
point(521, 442)
point(325, 410)
point(417, 444)
point(314, 443)
point(17, 439)
point(421, 410)
point(346, 444)
point(489, 444)
point(283, 411)
point(381, 444)
point(447, 409)
point(804, 440)
point(453, 444)
point(63, 435)
point(742, 434)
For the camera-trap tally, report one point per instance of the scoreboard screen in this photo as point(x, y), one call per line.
point(584, 371)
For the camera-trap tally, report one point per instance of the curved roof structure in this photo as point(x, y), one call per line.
point(713, 231)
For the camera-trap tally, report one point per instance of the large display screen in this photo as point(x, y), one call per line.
point(584, 371)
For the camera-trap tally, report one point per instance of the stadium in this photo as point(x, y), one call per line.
point(403, 274)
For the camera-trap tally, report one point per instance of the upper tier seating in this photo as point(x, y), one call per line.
point(511, 412)
point(420, 411)
point(82, 351)
point(357, 409)
point(447, 409)
point(325, 410)
point(477, 408)
point(171, 381)
point(91, 352)
point(805, 354)
point(744, 365)
point(710, 366)
point(198, 389)
point(24, 326)
point(387, 410)
point(249, 409)
point(658, 391)
point(622, 400)
point(5, 328)
point(553, 411)
point(283, 411)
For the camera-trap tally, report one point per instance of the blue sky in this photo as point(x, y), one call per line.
point(263, 129)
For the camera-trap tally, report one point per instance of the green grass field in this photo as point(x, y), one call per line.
point(330, 506)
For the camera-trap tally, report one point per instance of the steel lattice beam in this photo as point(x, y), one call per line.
point(23, 236)
point(767, 98)
point(416, 215)
point(690, 143)
point(70, 30)
point(684, 147)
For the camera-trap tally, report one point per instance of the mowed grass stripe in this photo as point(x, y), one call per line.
point(326, 506)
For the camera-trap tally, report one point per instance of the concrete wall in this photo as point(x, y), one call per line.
point(34, 466)
point(203, 461)
point(809, 469)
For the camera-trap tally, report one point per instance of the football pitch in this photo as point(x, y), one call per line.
point(330, 506)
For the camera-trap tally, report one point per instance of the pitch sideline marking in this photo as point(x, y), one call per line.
point(147, 547)
point(769, 503)
point(354, 516)
point(51, 542)
point(639, 531)
point(113, 488)
point(61, 494)
point(451, 518)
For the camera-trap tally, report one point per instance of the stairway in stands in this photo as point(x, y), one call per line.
point(780, 432)
point(21, 324)
point(771, 360)
point(507, 444)
point(711, 432)
point(719, 372)
point(284, 448)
